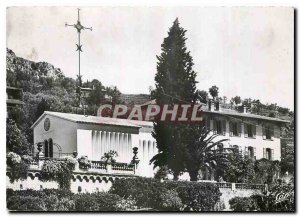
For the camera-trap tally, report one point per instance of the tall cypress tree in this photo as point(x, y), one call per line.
point(175, 83)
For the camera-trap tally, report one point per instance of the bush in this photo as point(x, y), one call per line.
point(60, 200)
point(170, 201)
point(97, 202)
point(150, 193)
point(243, 204)
point(18, 166)
point(84, 163)
point(280, 198)
point(46, 200)
point(60, 171)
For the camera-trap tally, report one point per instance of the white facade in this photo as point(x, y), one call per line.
point(93, 136)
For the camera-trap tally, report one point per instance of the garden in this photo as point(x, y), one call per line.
point(133, 194)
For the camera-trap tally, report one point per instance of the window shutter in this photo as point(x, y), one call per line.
point(215, 126)
point(224, 127)
point(246, 130)
point(46, 150)
point(207, 123)
point(254, 130)
point(272, 154)
point(272, 131)
point(246, 150)
point(240, 149)
point(264, 153)
point(239, 125)
point(50, 148)
point(230, 129)
point(264, 131)
point(254, 152)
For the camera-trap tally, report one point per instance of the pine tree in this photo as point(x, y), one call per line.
point(175, 83)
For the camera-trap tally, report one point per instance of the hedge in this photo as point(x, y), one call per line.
point(59, 200)
point(168, 195)
point(124, 195)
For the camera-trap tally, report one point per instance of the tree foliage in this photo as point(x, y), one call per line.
point(214, 91)
point(175, 83)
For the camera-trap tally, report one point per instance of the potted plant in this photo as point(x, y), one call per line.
point(84, 163)
point(109, 157)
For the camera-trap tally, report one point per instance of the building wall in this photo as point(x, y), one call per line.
point(259, 143)
point(62, 132)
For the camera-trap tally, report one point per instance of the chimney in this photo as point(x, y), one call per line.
point(209, 104)
point(217, 106)
point(244, 109)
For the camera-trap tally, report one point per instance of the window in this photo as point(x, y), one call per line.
point(236, 149)
point(268, 131)
point(251, 152)
point(268, 153)
point(220, 127)
point(235, 128)
point(250, 130)
point(48, 148)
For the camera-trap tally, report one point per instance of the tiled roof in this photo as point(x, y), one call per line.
point(96, 120)
point(237, 114)
point(229, 112)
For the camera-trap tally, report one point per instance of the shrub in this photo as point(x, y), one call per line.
point(25, 203)
point(60, 171)
point(170, 201)
point(145, 191)
point(97, 202)
point(150, 193)
point(127, 204)
point(19, 166)
point(243, 204)
point(84, 163)
point(46, 200)
point(280, 198)
point(197, 196)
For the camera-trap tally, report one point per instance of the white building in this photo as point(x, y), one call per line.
point(63, 133)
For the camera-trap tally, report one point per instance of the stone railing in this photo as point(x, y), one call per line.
point(235, 186)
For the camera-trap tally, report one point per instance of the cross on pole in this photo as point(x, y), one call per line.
point(79, 27)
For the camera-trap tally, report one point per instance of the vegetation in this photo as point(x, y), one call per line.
point(60, 200)
point(60, 171)
point(47, 88)
point(168, 195)
point(175, 83)
point(214, 91)
point(110, 156)
point(202, 154)
point(280, 198)
point(18, 166)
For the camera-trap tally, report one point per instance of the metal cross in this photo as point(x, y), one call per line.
point(79, 27)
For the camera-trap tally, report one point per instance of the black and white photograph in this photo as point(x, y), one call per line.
point(150, 109)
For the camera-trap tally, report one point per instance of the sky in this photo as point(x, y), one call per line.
point(244, 51)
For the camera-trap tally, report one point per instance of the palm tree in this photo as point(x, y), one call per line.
point(203, 154)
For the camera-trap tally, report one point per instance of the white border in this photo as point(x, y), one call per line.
point(6, 3)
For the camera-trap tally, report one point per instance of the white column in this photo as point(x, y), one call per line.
point(144, 152)
point(113, 141)
point(102, 142)
point(118, 146)
point(140, 150)
point(130, 154)
point(109, 141)
point(126, 147)
point(99, 154)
